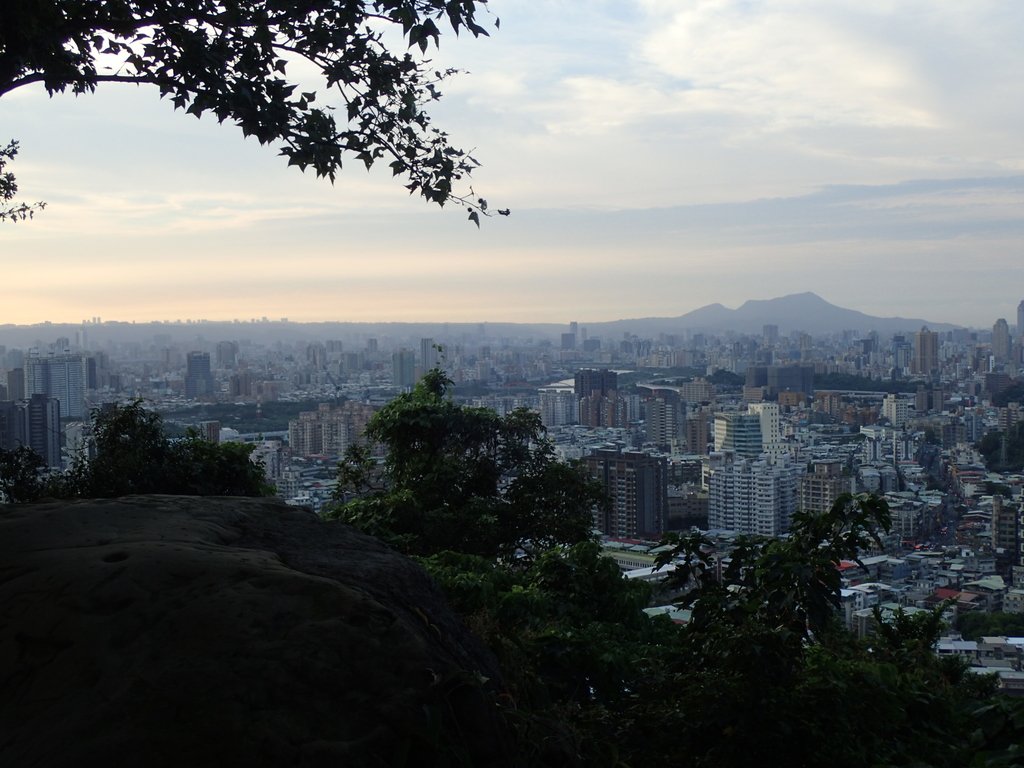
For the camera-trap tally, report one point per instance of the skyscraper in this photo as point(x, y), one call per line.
point(1001, 340)
point(665, 419)
point(926, 352)
point(1020, 319)
point(757, 497)
point(34, 423)
point(428, 354)
point(403, 368)
point(592, 380)
point(198, 378)
point(771, 428)
point(820, 488)
point(62, 377)
point(637, 489)
point(739, 433)
point(16, 384)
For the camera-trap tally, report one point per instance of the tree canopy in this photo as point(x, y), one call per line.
point(9, 209)
point(464, 479)
point(764, 666)
point(135, 455)
point(233, 59)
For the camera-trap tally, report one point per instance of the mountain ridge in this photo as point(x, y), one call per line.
point(807, 312)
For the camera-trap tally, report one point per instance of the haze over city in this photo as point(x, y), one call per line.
point(657, 157)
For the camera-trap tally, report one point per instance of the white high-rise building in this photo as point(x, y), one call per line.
point(738, 433)
point(558, 407)
point(771, 431)
point(752, 496)
point(896, 409)
point(62, 377)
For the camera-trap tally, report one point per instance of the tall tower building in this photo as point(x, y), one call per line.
point(820, 488)
point(771, 428)
point(198, 377)
point(16, 384)
point(896, 409)
point(428, 354)
point(63, 377)
point(637, 488)
point(591, 380)
point(665, 419)
point(739, 433)
point(697, 431)
point(926, 352)
point(558, 407)
point(403, 368)
point(1001, 341)
point(35, 423)
point(1020, 319)
point(1005, 534)
point(756, 497)
point(227, 354)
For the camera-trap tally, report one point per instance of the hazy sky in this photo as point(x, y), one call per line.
point(658, 155)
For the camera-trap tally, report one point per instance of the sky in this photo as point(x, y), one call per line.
point(657, 156)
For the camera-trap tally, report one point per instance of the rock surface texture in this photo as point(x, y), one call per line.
point(179, 631)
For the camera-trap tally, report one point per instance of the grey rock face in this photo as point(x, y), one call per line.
point(178, 631)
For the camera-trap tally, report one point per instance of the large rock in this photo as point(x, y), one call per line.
point(174, 631)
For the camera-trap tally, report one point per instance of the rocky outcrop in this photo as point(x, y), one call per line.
point(177, 631)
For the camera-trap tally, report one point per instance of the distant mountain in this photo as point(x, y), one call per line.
point(797, 312)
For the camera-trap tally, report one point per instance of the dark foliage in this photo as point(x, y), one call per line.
point(20, 479)
point(764, 670)
point(464, 479)
point(133, 455)
point(991, 447)
point(10, 210)
point(850, 381)
point(231, 59)
point(724, 378)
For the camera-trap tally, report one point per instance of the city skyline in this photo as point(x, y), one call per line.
point(657, 157)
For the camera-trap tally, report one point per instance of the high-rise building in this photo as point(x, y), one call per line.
point(599, 401)
point(429, 357)
point(771, 429)
point(591, 380)
point(34, 423)
point(227, 354)
point(1005, 534)
point(558, 407)
point(198, 376)
point(781, 378)
point(16, 384)
point(637, 488)
point(697, 431)
point(738, 433)
point(609, 410)
point(752, 496)
point(926, 352)
point(665, 419)
point(820, 489)
point(896, 409)
point(210, 431)
point(1020, 319)
point(329, 430)
point(1001, 340)
point(63, 377)
point(403, 368)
